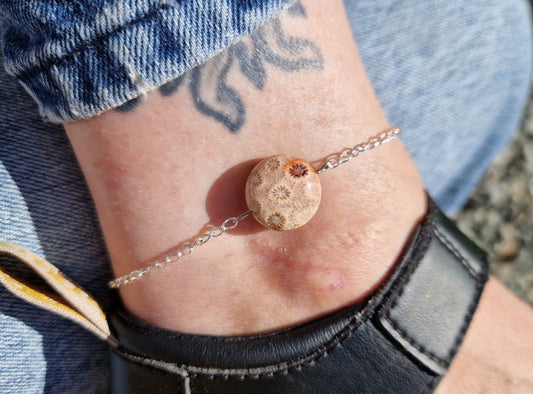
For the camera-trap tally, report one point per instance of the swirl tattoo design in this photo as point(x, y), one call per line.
point(208, 83)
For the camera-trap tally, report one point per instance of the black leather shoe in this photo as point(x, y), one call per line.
point(401, 339)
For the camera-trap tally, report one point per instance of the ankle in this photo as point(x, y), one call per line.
point(255, 280)
point(160, 172)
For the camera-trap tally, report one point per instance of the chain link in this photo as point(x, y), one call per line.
point(348, 154)
point(183, 250)
point(230, 223)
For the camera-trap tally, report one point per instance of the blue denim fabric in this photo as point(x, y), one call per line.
point(45, 206)
point(455, 80)
point(80, 58)
point(453, 75)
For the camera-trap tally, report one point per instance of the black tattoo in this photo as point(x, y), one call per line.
point(213, 96)
point(208, 83)
point(297, 9)
point(129, 105)
point(170, 87)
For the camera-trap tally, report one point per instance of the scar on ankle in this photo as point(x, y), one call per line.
point(336, 280)
point(291, 271)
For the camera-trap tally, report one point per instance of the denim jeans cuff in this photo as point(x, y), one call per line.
point(73, 78)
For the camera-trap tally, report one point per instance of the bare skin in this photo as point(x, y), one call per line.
point(495, 356)
point(163, 167)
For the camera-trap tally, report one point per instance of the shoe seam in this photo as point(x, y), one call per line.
point(443, 362)
point(373, 305)
point(276, 368)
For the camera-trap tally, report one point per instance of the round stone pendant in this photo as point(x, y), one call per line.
point(283, 193)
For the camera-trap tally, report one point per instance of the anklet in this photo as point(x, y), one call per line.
point(282, 193)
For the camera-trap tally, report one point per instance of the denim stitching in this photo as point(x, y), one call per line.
point(98, 41)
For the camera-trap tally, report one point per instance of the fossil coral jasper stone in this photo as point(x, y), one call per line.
point(283, 193)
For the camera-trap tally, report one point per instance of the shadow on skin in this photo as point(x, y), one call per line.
point(226, 199)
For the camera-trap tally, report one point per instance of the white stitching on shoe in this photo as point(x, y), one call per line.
point(467, 317)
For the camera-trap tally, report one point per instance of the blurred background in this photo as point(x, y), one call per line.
point(499, 215)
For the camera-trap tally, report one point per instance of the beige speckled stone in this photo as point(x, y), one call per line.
point(283, 193)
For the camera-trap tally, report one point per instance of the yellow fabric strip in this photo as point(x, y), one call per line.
point(72, 302)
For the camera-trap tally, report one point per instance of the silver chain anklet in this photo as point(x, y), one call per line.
point(282, 193)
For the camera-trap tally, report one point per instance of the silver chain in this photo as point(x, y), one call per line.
point(348, 154)
point(232, 222)
point(183, 250)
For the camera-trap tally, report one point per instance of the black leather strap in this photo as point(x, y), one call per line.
point(401, 339)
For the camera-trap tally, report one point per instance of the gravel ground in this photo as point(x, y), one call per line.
point(499, 216)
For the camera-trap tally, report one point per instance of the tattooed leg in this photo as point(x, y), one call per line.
point(208, 84)
point(213, 96)
point(161, 172)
